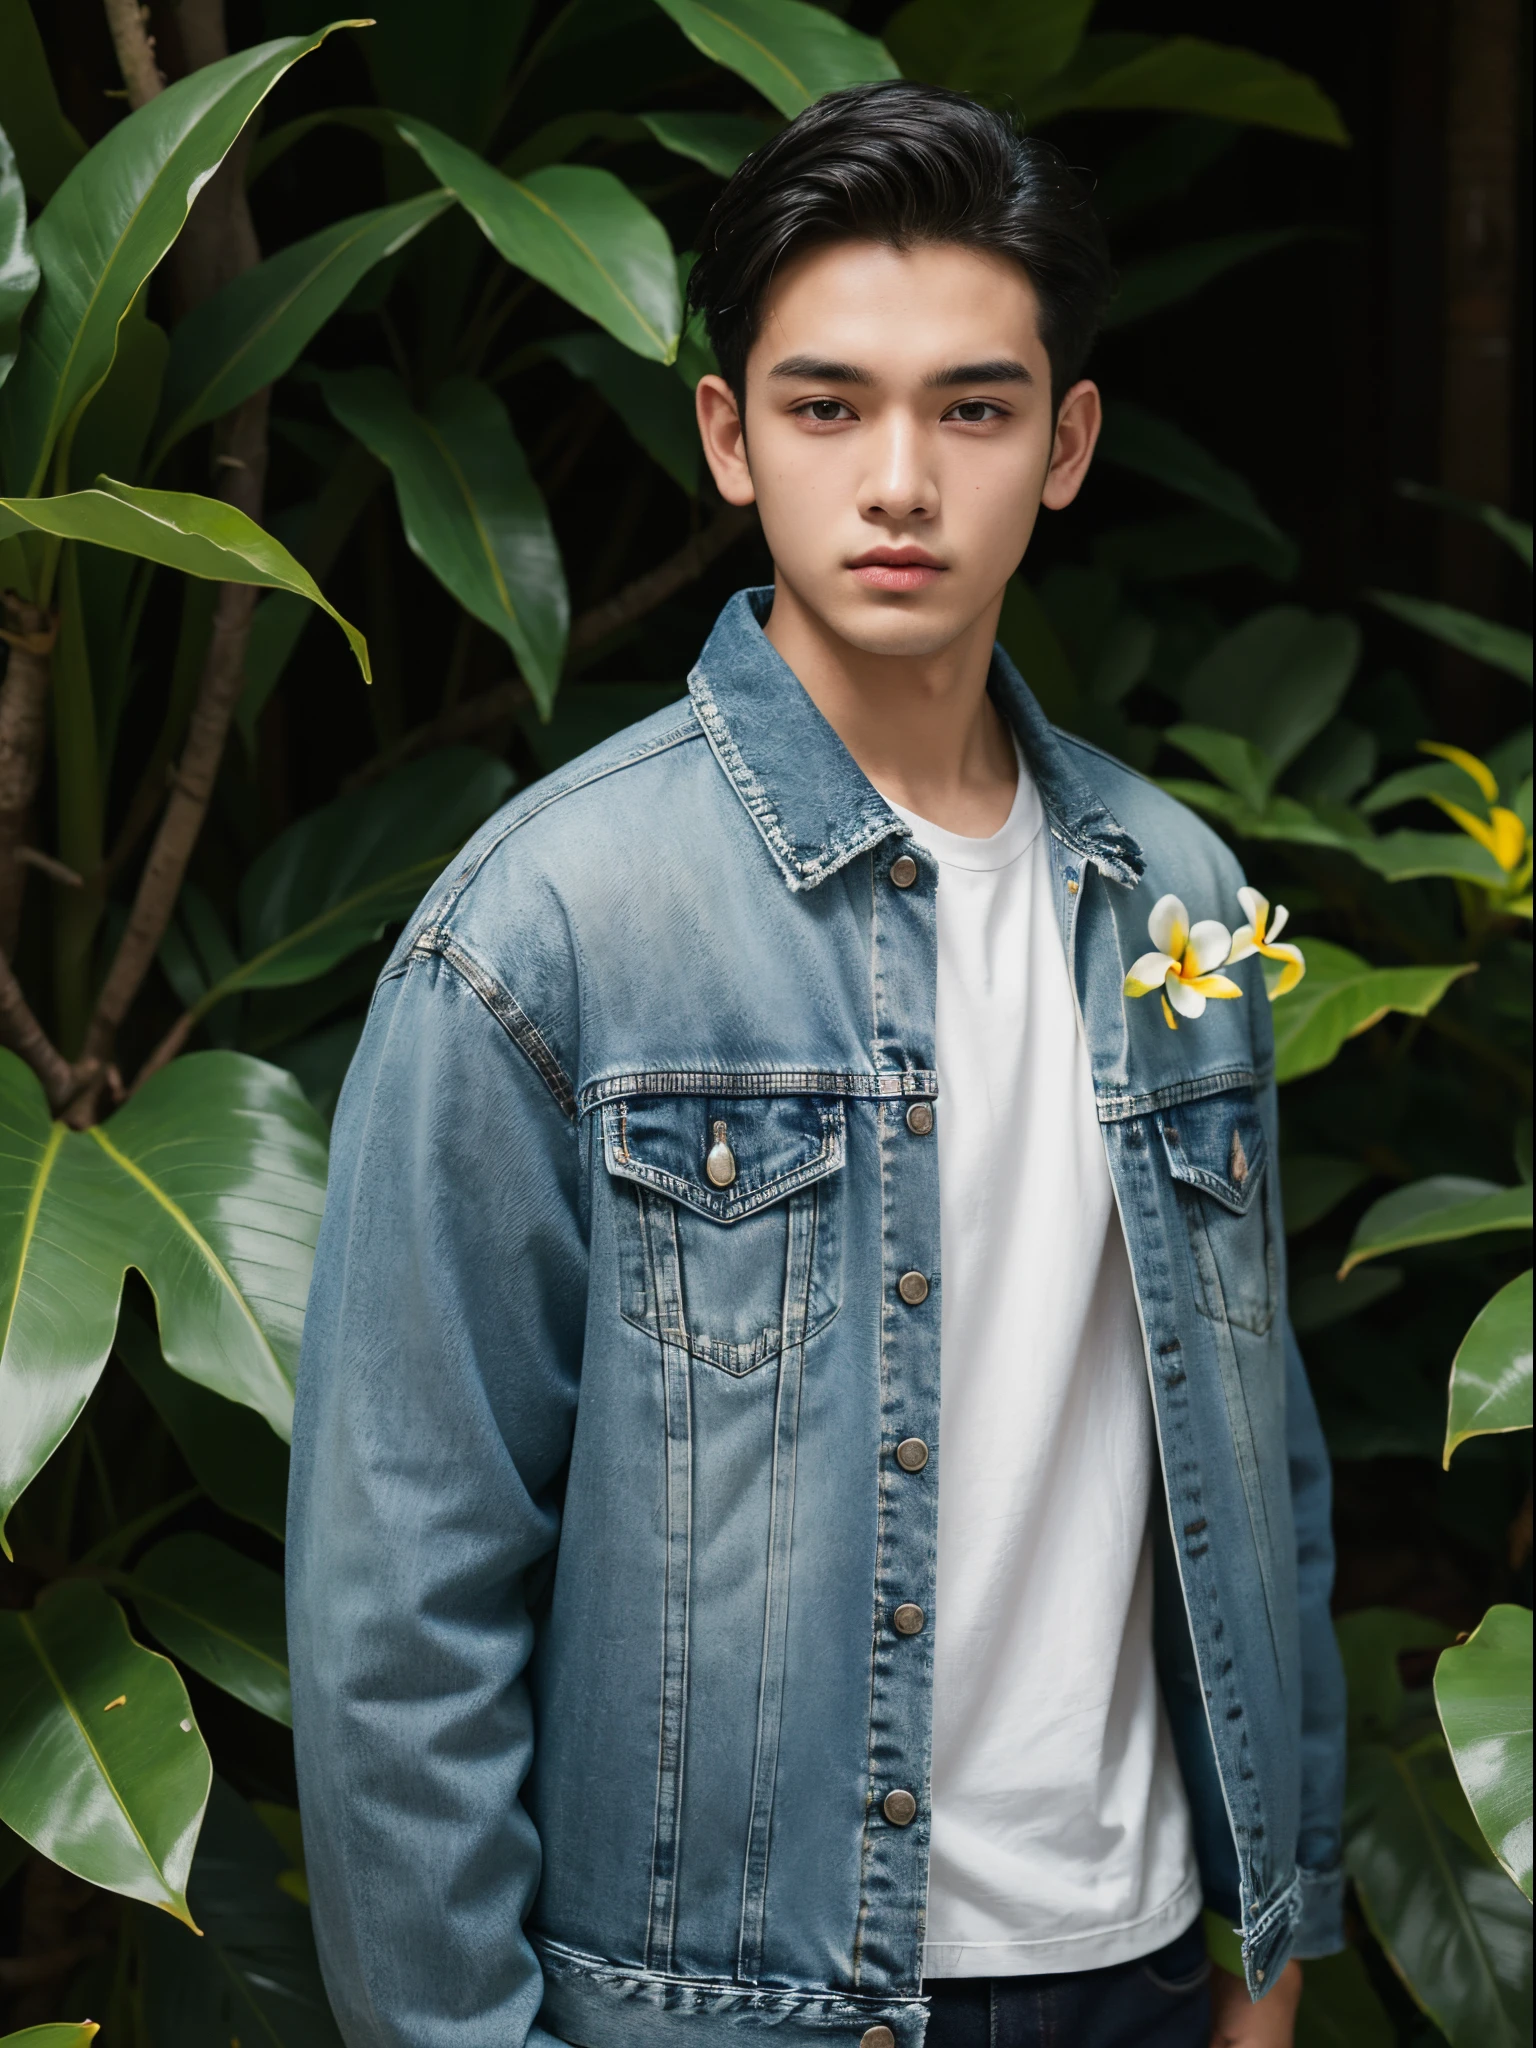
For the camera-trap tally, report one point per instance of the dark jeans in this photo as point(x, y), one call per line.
point(1158, 2001)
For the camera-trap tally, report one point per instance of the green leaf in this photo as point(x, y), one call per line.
point(1515, 533)
point(107, 227)
point(1339, 2006)
point(1429, 779)
point(471, 510)
point(1277, 679)
point(58, 2034)
point(254, 1976)
point(1245, 769)
point(1371, 1640)
point(234, 1456)
point(1500, 646)
point(1483, 1692)
point(222, 1614)
point(1188, 75)
point(1341, 997)
point(1191, 544)
point(18, 266)
point(1318, 1301)
point(47, 146)
point(209, 1181)
point(1139, 440)
point(720, 142)
point(653, 403)
point(992, 49)
point(1410, 856)
point(102, 1767)
point(1033, 645)
point(1491, 1373)
point(450, 65)
point(1439, 1210)
point(378, 123)
point(199, 536)
point(1314, 1185)
point(253, 330)
point(576, 229)
point(791, 53)
point(1173, 275)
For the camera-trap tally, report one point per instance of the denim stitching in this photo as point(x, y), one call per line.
point(1119, 1107)
point(505, 1008)
point(885, 1086)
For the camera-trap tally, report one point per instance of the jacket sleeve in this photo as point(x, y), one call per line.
point(437, 1395)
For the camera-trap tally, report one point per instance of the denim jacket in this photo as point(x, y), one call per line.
point(615, 1454)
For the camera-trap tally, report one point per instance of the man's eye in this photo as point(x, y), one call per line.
point(824, 410)
point(973, 411)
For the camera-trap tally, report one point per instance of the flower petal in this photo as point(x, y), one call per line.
point(1277, 922)
point(1509, 837)
point(1295, 967)
point(1209, 945)
point(1255, 908)
point(1168, 1017)
point(1244, 944)
point(1148, 973)
point(1469, 764)
point(1185, 998)
point(1217, 986)
point(1168, 926)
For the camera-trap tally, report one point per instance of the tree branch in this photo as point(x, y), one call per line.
point(23, 735)
point(25, 1036)
point(135, 47)
point(658, 584)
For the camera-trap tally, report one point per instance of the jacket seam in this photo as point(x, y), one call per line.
point(578, 1961)
point(763, 1081)
point(1118, 1107)
point(509, 1013)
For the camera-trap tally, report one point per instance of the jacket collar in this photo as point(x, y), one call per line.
point(808, 797)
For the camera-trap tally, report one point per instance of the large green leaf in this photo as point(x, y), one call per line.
point(1483, 1692)
point(1500, 646)
point(222, 1614)
point(1341, 997)
point(1141, 441)
point(209, 1181)
point(1188, 75)
point(1172, 275)
point(254, 1977)
point(54, 2034)
point(102, 1767)
point(200, 536)
point(1339, 2006)
point(107, 227)
point(576, 229)
point(652, 402)
point(994, 49)
point(1491, 1373)
point(1277, 679)
point(47, 145)
point(1515, 533)
point(18, 266)
point(720, 142)
point(470, 508)
point(234, 1456)
point(791, 53)
point(1410, 856)
point(249, 333)
point(1439, 1210)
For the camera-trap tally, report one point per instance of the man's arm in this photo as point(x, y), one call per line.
point(436, 1401)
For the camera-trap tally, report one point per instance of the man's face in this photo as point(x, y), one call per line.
point(899, 439)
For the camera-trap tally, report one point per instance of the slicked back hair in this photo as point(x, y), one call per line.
point(904, 165)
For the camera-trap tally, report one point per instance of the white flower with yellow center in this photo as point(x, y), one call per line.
point(1183, 966)
point(1259, 934)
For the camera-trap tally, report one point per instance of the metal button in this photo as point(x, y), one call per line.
point(899, 1808)
point(720, 1162)
point(877, 2037)
point(912, 1288)
point(908, 1619)
point(920, 1119)
point(911, 1454)
point(903, 870)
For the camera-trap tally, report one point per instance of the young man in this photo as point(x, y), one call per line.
point(808, 1524)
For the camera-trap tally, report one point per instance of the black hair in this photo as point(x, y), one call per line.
point(903, 164)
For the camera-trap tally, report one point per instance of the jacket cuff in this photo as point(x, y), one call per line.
point(1319, 1929)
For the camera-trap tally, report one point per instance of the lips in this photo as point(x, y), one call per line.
point(897, 569)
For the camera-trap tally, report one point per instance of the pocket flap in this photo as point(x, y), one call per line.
point(1216, 1144)
point(770, 1144)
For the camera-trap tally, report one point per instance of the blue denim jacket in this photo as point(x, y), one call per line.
point(597, 1522)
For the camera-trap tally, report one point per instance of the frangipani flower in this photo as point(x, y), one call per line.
point(1259, 934)
point(1183, 966)
point(1503, 832)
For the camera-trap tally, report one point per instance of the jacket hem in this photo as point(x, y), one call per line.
point(1320, 1923)
point(593, 2003)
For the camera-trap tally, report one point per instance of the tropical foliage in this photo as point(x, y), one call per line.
point(450, 384)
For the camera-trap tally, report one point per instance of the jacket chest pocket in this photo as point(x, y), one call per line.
point(727, 1220)
point(1218, 1156)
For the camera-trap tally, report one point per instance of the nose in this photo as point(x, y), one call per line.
point(899, 484)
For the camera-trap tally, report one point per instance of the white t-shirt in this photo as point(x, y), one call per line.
point(1061, 1835)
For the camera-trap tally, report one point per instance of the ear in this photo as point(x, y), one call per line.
point(1077, 434)
point(725, 440)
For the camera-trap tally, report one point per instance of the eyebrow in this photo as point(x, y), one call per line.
point(823, 370)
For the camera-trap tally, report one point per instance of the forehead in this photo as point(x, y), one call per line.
point(893, 309)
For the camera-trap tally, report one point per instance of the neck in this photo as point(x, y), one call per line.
point(920, 726)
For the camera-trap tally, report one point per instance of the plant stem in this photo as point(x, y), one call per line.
point(23, 734)
point(110, 1551)
point(135, 48)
